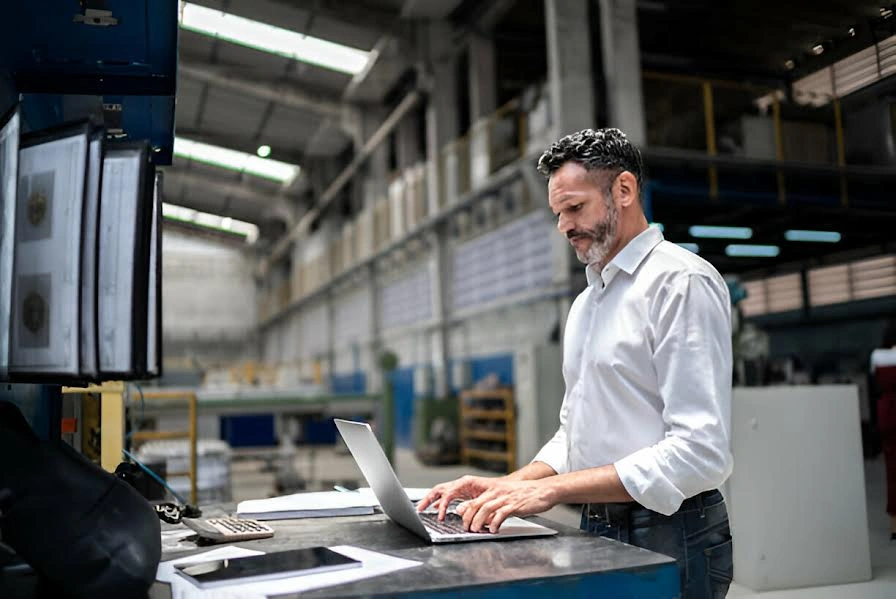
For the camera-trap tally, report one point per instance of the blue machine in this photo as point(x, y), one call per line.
point(113, 60)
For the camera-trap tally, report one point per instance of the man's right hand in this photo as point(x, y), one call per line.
point(466, 487)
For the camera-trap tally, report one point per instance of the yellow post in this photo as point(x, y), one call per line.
point(111, 420)
point(779, 147)
point(112, 425)
point(711, 149)
point(317, 373)
point(841, 152)
point(194, 491)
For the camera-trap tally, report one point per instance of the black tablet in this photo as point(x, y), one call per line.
point(270, 566)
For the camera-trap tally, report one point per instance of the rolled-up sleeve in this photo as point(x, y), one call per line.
point(692, 357)
point(555, 452)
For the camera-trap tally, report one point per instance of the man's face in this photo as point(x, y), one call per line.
point(588, 219)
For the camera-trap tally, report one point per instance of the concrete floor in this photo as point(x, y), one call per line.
point(253, 478)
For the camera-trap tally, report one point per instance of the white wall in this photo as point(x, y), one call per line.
point(315, 337)
point(351, 318)
point(208, 297)
point(406, 297)
point(505, 330)
point(352, 315)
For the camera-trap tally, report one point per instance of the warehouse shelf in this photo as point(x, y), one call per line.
point(488, 428)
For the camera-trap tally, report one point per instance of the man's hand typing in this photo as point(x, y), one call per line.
point(466, 487)
point(504, 499)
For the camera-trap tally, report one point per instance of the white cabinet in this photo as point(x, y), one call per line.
point(797, 494)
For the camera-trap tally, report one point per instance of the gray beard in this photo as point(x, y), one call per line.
point(603, 239)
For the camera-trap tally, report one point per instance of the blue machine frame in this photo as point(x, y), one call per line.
point(62, 71)
point(67, 70)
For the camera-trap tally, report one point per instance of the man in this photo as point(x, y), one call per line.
point(883, 369)
point(645, 421)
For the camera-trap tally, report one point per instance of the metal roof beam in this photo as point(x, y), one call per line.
point(243, 144)
point(264, 206)
point(282, 93)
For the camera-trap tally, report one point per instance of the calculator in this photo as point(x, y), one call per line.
point(227, 529)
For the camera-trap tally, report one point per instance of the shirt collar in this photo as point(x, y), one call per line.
point(629, 258)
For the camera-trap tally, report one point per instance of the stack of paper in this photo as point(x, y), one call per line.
point(414, 493)
point(308, 505)
point(318, 505)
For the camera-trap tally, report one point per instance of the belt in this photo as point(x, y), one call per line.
point(619, 513)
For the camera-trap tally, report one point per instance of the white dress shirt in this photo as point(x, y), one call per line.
point(647, 365)
point(883, 357)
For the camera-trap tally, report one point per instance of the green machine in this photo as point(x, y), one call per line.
point(436, 437)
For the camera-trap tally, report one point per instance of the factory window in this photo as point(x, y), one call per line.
point(784, 293)
point(875, 277)
point(859, 280)
point(756, 302)
point(774, 294)
point(829, 285)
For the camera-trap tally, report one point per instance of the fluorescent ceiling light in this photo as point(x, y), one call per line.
point(263, 151)
point(234, 160)
point(276, 40)
point(177, 212)
point(736, 250)
point(721, 232)
point(691, 247)
point(819, 236)
point(210, 221)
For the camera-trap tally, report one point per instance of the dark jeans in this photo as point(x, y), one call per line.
point(697, 536)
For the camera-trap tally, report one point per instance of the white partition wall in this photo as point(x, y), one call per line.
point(797, 494)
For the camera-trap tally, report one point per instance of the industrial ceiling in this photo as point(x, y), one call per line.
point(241, 98)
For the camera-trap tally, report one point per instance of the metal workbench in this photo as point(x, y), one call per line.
point(571, 564)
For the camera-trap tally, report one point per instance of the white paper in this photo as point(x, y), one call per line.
point(119, 214)
point(177, 533)
point(9, 168)
point(372, 564)
point(89, 240)
point(173, 540)
point(47, 264)
point(305, 504)
point(414, 493)
point(330, 501)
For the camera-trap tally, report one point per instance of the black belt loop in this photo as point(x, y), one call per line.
point(613, 514)
point(701, 506)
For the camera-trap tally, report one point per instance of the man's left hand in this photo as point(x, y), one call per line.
point(505, 499)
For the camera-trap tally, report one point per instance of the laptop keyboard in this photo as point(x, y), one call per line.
point(452, 524)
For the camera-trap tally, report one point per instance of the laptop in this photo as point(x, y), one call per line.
point(381, 477)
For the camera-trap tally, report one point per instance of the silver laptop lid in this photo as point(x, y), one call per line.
point(380, 476)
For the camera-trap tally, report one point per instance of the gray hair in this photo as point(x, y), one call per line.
point(596, 150)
